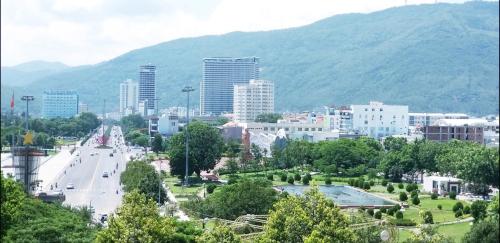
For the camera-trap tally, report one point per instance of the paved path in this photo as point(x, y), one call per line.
point(164, 166)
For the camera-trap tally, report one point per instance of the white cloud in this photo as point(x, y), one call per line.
point(89, 31)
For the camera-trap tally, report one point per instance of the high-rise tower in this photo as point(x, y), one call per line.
point(147, 86)
point(220, 74)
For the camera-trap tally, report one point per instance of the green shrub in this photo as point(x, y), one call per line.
point(458, 206)
point(351, 182)
point(291, 180)
point(366, 186)
point(283, 177)
point(378, 215)
point(328, 181)
point(403, 197)
point(452, 195)
point(440, 207)
point(415, 200)
point(399, 215)
point(467, 209)
point(211, 188)
point(297, 177)
point(403, 222)
point(270, 177)
point(409, 187)
point(428, 219)
point(370, 212)
point(478, 209)
point(391, 211)
point(305, 180)
point(413, 194)
point(372, 183)
point(390, 188)
point(308, 176)
point(384, 182)
point(434, 196)
point(362, 208)
point(459, 213)
point(401, 186)
point(383, 210)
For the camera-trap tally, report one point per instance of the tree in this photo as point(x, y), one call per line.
point(403, 197)
point(219, 234)
point(268, 117)
point(142, 141)
point(478, 209)
point(41, 139)
point(141, 176)
point(428, 234)
point(484, 231)
point(11, 201)
point(390, 188)
point(471, 162)
point(137, 220)
point(247, 196)
point(205, 149)
point(132, 122)
point(394, 143)
point(308, 218)
point(157, 144)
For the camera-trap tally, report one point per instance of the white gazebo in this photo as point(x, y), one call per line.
point(442, 184)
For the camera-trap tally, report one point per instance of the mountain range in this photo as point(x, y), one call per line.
point(431, 57)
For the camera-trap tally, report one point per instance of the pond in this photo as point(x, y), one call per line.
point(344, 196)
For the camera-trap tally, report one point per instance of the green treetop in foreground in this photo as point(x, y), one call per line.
point(308, 218)
point(138, 220)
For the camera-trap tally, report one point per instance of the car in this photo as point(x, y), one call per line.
point(111, 155)
point(91, 154)
point(70, 186)
point(105, 174)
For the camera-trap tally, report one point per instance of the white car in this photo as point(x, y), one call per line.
point(70, 186)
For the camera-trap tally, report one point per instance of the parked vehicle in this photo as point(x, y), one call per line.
point(70, 186)
point(50, 197)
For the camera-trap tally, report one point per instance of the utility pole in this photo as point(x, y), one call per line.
point(103, 117)
point(27, 166)
point(187, 89)
point(27, 98)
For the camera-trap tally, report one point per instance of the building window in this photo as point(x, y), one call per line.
point(313, 129)
point(320, 129)
point(299, 129)
point(306, 129)
point(366, 122)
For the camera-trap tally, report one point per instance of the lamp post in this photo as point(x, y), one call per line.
point(187, 89)
point(27, 98)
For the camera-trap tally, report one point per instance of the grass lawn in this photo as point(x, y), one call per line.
point(455, 231)
point(439, 216)
point(178, 190)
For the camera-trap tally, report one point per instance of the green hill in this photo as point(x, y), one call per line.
point(439, 57)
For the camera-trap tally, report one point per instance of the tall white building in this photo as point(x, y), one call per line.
point(427, 119)
point(253, 99)
point(377, 120)
point(129, 97)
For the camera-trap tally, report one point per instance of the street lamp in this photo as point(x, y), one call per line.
point(187, 89)
point(27, 98)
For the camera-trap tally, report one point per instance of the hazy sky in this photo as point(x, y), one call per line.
point(78, 32)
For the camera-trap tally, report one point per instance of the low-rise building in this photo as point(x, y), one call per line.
point(168, 125)
point(338, 118)
point(442, 184)
point(427, 119)
point(377, 120)
point(460, 129)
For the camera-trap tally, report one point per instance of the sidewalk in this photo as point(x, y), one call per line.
point(171, 198)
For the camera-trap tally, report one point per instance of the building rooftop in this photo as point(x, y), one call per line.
point(461, 122)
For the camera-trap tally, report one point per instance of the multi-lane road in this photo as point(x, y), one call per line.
point(86, 175)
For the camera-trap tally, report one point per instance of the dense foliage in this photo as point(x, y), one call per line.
point(142, 177)
point(24, 219)
point(268, 117)
point(247, 196)
point(138, 220)
point(205, 149)
point(308, 218)
point(46, 130)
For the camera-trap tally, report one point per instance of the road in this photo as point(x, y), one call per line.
point(90, 187)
